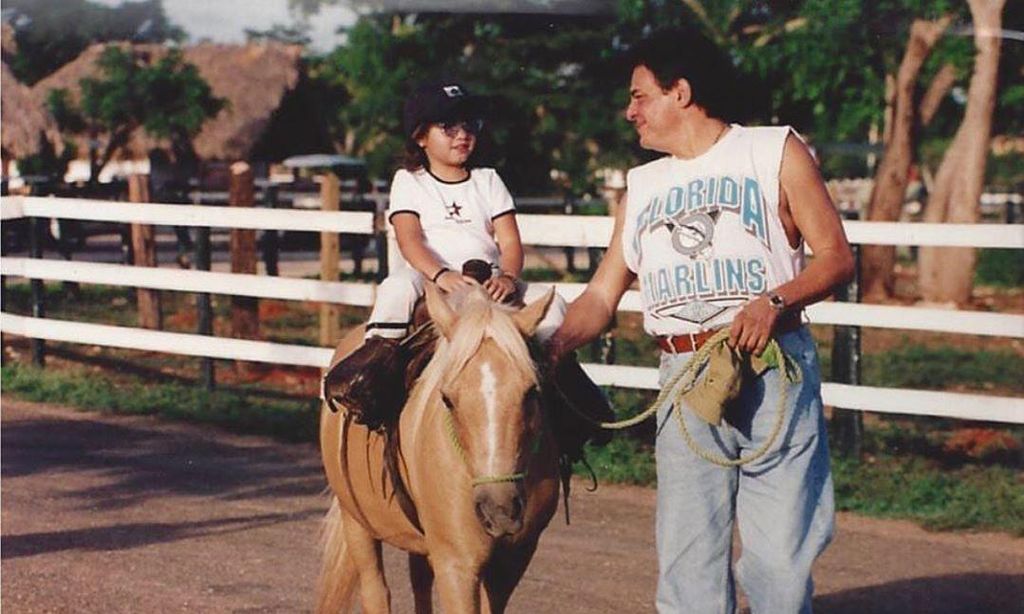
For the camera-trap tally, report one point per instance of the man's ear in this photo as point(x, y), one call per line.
point(681, 90)
point(439, 309)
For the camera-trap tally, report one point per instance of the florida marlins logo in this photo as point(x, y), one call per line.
point(692, 233)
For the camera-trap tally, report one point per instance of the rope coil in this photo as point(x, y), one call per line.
point(684, 380)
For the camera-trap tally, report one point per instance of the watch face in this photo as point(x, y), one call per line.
point(776, 301)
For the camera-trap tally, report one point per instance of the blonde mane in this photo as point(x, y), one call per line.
point(479, 319)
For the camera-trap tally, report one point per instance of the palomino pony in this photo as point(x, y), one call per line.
point(479, 464)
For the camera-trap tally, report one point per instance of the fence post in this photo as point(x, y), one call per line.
point(330, 253)
point(245, 320)
point(268, 242)
point(847, 424)
point(204, 304)
point(380, 228)
point(144, 250)
point(570, 252)
point(38, 227)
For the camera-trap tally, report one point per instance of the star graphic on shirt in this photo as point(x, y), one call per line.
point(455, 210)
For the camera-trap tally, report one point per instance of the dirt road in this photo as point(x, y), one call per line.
point(130, 514)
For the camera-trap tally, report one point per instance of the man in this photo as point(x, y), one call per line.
point(715, 233)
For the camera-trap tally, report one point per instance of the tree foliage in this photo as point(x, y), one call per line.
point(167, 98)
point(557, 109)
point(51, 33)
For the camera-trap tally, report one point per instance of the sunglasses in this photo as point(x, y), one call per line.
point(471, 127)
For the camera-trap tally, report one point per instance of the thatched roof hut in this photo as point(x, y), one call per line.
point(25, 124)
point(255, 80)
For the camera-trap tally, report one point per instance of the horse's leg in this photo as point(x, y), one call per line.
point(337, 571)
point(366, 553)
point(458, 586)
point(422, 578)
point(503, 572)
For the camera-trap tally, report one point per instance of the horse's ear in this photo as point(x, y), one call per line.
point(439, 309)
point(528, 318)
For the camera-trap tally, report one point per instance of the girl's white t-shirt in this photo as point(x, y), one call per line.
point(457, 217)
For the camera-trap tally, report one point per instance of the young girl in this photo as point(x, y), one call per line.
point(446, 212)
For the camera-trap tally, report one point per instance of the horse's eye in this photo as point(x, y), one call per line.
point(532, 395)
point(447, 402)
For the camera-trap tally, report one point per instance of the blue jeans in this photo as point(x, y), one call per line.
point(782, 502)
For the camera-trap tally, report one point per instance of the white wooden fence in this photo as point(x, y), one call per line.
point(537, 230)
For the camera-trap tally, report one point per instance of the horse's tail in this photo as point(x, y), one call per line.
point(337, 571)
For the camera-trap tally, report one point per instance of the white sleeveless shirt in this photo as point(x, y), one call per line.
point(704, 235)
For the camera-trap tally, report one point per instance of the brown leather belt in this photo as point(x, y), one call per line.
point(681, 344)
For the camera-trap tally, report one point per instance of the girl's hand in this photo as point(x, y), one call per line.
point(449, 281)
point(501, 288)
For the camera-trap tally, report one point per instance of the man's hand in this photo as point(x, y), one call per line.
point(753, 325)
point(500, 288)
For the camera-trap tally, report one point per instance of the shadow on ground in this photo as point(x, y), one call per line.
point(949, 594)
point(136, 464)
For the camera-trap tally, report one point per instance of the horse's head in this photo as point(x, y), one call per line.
point(485, 378)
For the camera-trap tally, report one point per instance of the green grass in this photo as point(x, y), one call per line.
point(917, 366)
point(248, 411)
point(969, 497)
point(1000, 267)
point(623, 461)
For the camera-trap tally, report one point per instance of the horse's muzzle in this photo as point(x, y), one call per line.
point(500, 508)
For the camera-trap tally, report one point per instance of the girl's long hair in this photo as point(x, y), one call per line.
point(414, 157)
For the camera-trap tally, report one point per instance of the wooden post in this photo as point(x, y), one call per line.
point(38, 226)
point(848, 424)
point(204, 304)
point(245, 321)
point(269, 244)
point(330, 251)
point(570, 252)
point(144, 249)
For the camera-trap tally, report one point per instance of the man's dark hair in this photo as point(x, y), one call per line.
point(686, 53)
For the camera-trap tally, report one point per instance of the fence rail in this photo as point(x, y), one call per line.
point(549, 230)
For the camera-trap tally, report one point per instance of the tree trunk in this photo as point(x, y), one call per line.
point(941, 83)
point(891, 179)
point(946, 274)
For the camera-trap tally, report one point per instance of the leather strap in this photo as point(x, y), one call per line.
point(681, 344)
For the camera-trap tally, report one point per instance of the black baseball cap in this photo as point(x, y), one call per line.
point(439, 101)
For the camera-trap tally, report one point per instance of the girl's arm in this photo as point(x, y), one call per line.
point(414, 249)
point(506, 233)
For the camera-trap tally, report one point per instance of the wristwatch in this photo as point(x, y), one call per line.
point(776, 301)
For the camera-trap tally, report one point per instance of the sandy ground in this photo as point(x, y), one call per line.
point(132, 514)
